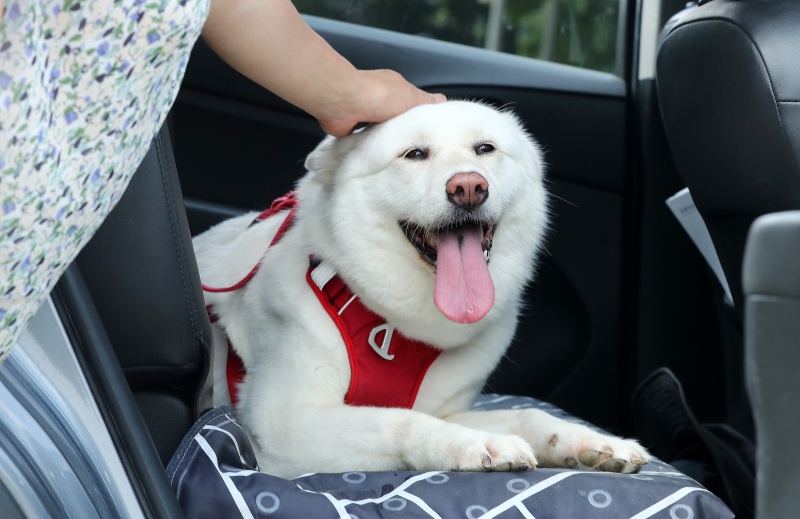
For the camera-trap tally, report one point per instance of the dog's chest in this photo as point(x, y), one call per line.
point(386, 367)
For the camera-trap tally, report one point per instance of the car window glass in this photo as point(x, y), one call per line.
point(582, 33)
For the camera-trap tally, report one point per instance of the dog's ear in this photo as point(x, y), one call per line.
point(326, 158)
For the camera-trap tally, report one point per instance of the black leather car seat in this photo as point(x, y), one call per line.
point(133, 306)
point(728, 79)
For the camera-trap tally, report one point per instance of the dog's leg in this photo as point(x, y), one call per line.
point(559, 443)
point(341, 438)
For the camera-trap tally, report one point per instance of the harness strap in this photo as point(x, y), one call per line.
point(386, 367)
point(235, 367)
point(288, 201)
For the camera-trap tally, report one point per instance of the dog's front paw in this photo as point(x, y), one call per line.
point(479, 451)
point(587, 449)
point(494, 452)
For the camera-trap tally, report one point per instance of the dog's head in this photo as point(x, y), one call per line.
point(444, 204)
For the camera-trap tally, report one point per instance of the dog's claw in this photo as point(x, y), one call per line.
point(525, 465)
point(486, 462)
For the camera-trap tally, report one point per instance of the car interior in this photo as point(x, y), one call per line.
point(625, 326)
point(733, 125)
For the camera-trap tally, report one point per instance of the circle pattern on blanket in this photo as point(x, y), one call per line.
point(476, 494)
point(599, 498)
point(354, 477)
point(681, 512)
point(475, 511)
point(273, 501)
point(394, 504)
point(518, 485)
point(438, 479)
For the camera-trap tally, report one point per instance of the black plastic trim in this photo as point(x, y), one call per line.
point(114, 398)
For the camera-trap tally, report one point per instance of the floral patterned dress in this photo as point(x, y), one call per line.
point(84, 87)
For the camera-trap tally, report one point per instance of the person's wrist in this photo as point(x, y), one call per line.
point(341, 112)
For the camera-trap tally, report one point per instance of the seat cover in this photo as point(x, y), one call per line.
point(214, 474)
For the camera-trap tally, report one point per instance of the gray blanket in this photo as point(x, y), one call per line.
point(214, 474)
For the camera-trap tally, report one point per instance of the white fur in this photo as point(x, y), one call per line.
point(356, 191)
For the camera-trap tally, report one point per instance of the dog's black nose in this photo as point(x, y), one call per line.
point(467, 190)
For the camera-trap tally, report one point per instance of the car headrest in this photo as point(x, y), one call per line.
point(729, 87)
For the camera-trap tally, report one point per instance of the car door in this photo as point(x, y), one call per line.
point(238, 147)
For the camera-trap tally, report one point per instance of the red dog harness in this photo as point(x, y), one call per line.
point(386, 368)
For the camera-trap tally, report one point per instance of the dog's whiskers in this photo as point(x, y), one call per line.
point(564, 200)
point(506, 106)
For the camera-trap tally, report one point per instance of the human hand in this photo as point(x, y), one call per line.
point(377, 96)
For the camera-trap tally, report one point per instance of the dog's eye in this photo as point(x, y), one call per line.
point(480, 149)
point(416, 154)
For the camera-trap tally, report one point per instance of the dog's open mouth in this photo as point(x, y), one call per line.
point(459, 253)
point(425, 240)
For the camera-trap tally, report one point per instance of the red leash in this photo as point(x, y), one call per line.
point(234, 368)
point(288, 201)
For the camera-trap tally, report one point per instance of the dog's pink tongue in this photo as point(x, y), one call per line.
point(464, 291)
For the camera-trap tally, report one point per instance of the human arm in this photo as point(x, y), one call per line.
point(269, 42)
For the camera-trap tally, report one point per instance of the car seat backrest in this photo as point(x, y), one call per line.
point(141, 273)
point(728, 79)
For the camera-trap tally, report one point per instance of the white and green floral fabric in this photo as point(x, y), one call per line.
point(84, 87)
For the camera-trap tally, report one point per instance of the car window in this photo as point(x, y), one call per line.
point(582, 33)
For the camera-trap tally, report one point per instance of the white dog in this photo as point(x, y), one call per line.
point(433, 220)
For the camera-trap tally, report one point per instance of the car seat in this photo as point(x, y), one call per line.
point(728, 85)
point(133, 307)
point(772, 326)
point(729, 90)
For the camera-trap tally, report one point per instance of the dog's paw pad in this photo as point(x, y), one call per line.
point(589, 450)
point(593, 458)
point(612, 465)
point(621, 456)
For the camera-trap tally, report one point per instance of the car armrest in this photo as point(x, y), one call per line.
point(771, 281)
